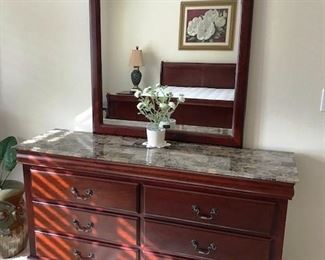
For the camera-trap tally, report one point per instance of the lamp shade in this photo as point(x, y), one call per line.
point(136, 58)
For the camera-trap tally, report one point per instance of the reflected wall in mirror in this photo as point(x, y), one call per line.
point(214, 82)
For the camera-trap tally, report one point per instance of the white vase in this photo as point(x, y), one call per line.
point(155, 136)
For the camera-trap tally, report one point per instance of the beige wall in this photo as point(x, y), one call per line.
point(286, 78)
point(45, 83)
point(45, 65)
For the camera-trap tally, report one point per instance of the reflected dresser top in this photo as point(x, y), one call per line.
point(197, 158)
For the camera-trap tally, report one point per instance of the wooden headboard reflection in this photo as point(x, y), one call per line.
point(197, 112)
point(188, 74)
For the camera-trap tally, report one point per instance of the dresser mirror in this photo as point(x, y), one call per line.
point(214, 82)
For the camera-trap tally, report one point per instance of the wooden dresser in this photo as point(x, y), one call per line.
point(108, 197)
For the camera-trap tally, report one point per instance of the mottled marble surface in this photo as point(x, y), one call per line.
point(243, 163)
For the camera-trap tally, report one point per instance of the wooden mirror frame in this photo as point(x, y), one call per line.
point(236, 140)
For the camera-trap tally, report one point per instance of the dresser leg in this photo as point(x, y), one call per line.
point(30, 214)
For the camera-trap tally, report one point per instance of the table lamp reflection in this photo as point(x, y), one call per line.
point(136, 61)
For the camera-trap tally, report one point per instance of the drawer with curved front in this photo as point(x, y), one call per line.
point(87, 224)
point(155, 256)
point(222, 211)
point(50, 246)
point(84, 191)
point(193, 242)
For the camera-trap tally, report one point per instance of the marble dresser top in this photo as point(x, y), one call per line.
point(242, 163)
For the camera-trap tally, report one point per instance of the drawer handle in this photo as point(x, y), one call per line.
point(211, 247)
point(213, 212)
point(79, 256)
point(85, 229)
point(86, 196)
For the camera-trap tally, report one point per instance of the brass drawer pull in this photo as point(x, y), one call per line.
point(213, 212)
point(86, 196)
point(85, 229)
point(79, 256)
point(211, 247)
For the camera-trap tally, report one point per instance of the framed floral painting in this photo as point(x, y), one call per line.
point(207, 25)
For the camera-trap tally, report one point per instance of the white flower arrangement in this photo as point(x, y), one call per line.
point(156, 103)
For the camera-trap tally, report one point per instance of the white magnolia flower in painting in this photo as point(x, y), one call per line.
point(225, 14)
point(172, 105)
point(192, 28)
point(181, 98)
point(220, 21)
point(211, 15)
point(205, 30)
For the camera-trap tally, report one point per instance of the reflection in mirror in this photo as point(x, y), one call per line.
point(205, 77)
point(117, 27)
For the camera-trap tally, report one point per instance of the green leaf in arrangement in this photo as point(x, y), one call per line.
point(8, 153)
point(9, 161)
point(5, 144)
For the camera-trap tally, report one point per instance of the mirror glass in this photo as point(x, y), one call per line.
point(154, 26)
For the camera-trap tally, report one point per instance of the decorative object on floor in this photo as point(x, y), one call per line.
point(157, 105)
point(13, 224)
point(136, 61)
point(207, 25)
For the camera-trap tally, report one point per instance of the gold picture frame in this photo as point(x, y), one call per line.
point(207, 25)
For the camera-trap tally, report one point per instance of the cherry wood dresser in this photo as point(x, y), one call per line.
point(108, 197)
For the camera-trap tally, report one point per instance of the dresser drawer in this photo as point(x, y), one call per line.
point(223, 211)
point(153, 256)
point(64, 248)
point(87, 224)
point(195, 242)
point(79, 190)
